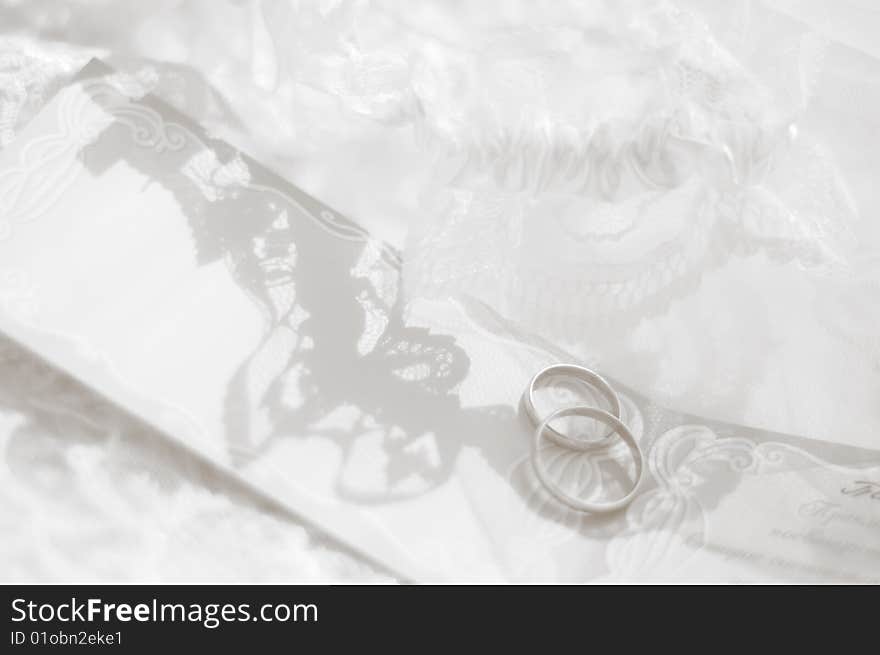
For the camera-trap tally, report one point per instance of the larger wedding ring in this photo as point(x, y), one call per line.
point(578, 373)
point(616, 427)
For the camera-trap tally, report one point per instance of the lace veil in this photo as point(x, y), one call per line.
point(680, 194)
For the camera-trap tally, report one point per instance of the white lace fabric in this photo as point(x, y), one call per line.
point(682, 194)
point(668, 202)
point(678, 193)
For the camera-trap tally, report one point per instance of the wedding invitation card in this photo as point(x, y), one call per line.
point(255, 326)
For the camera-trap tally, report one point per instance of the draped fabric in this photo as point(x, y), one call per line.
point(679, 193)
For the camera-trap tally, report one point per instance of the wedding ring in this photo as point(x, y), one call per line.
point(579, 373)
point(615, 425)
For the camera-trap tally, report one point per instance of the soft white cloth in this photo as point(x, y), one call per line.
point(682, 193)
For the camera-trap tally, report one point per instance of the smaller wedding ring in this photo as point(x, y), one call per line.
point(578, 373)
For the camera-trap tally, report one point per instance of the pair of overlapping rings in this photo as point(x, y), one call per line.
point(545, 430)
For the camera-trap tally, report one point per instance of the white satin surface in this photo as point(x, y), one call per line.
point(681, 193)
